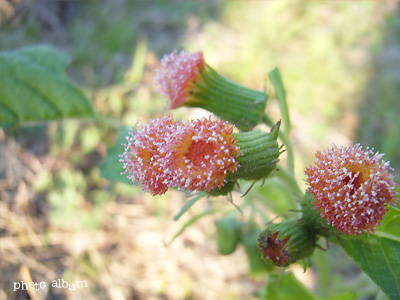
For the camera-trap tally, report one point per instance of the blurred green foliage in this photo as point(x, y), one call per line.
point(111, 168)
point(35, 76)
point(228, 233)
point(324, 53)
point(379, 113)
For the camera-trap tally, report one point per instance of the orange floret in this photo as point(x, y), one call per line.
point(147, 157)
point(204, 155)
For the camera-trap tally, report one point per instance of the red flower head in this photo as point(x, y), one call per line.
point(351, 189)
point(177, 75)
point(204, 155)
point(147, 156)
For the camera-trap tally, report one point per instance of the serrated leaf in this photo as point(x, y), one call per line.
point(379, 254)
point(34, 87)
point(111, 167)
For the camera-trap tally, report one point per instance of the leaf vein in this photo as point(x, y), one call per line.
point(41, 96)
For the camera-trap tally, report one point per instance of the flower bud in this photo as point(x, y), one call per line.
point(185, 79)
point(285, 243)
point(259, 154)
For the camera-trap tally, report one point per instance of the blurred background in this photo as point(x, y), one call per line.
point(340, 62)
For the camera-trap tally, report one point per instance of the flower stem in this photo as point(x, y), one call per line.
point(288, 177)
point(285, 139)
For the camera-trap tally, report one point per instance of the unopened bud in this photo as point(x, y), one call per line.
point(285, 243)
point(259, 154)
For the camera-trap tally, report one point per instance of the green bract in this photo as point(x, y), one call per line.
point(233, 102)
point(259, 154)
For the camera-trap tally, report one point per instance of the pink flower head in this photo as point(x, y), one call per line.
point(177, 75)
point(204, 155)
point(351, 189)
point(147, 156)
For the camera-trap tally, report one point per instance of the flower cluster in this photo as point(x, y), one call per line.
point(351, 188)
point(194, 155)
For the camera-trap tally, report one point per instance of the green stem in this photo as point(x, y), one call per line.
point(255, 210)
point(288, 177)
point(276, 80)
point(324, 273)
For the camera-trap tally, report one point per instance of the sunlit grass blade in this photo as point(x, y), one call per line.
point(189, 204)
point(190, 222)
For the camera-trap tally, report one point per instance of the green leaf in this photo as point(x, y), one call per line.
point(379, 254)
point(345, 296)
point(34, 87)
point(111, 168)
point(276, 80)
point(285, 286)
